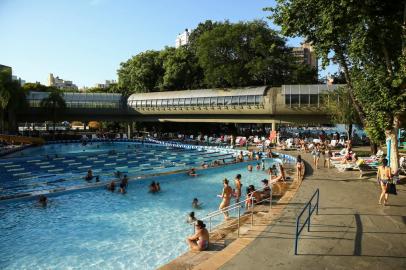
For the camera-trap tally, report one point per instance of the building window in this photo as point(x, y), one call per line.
point(304, 99)
point(294, 99)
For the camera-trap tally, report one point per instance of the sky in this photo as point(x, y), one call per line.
point(86, 40)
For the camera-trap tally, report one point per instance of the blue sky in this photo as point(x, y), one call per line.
point(85, 40)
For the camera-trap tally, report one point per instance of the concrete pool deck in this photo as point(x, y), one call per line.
point(351, 231)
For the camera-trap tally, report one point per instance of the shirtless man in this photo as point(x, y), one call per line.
point(226, 196)
point(238, 186)
point(200, 240)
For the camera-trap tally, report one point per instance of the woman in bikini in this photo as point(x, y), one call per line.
point(299, 167)
point(200, 240)
point(226, 195)
point(384, 176)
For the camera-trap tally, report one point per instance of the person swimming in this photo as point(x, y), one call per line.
point(250, 168)
point(192, 172)
point(89, 175)
point(43, 200)
point(154, 187)
point(111, 186)
point(191, 217)
point(97, 179)
point(196, 204)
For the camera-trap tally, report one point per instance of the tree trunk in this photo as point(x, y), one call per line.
point(374, 148)
point(392, 134)
point(349, 131)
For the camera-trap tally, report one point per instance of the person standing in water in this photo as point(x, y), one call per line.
point(238, 185)
point(226, 197)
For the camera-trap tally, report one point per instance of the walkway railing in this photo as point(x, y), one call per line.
point(237, 206)
point(310, 209)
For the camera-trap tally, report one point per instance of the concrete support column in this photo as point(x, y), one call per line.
point(129, 129)
point(273, 125)
point(273, 131)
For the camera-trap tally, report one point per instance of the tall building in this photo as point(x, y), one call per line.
point(13, 77)
point(305, 54)
point(182, 39)
point(16, 78)
point(7, 68)
point(60, 83)
point(106, 84)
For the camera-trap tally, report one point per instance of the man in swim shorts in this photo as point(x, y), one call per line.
point(200, 240)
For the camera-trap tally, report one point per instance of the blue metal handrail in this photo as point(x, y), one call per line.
point(307, 221)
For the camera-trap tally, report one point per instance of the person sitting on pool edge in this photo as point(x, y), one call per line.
point(192, 172)
point(200, 240)
point(89, 175)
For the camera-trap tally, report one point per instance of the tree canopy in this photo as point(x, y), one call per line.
point(219, 54)
point(368, 41)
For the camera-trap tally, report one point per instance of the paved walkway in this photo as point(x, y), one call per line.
point(351, 231)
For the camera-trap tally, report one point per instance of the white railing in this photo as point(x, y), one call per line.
point(237, 206)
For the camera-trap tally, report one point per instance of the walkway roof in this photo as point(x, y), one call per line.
point(248, 91)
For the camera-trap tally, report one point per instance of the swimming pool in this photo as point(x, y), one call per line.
point(60, 166)
point(97, 229)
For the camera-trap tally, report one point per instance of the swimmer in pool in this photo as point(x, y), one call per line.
point(43, 200)
point(112, 186)
point(196, 204)
point(89, 175)
point(191, 217)
point(192, 172)
point(249, 168)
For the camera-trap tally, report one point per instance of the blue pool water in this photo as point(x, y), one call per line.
point(97, 229)
point(61, 166)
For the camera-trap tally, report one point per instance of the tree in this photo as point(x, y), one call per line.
point(12, 98)
point(182, 70)
point(37, 87)
point(338, 105)
point(242, 54)
point(55, 103)
point(141, 73)
point(368, 41)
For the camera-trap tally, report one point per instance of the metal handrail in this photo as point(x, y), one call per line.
point(307, 221)
point(213, 214)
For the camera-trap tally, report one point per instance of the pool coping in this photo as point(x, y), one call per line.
point(213, 259)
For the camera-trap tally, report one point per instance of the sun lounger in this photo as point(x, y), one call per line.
point(365, 168)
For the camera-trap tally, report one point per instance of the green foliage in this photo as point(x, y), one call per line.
point(182, 70)
point(242, 54)
point(338, 105)
point(12, 98)
point(219, 54)
point(366, 39)
point(142, 73)
point(37, 87)
point(54, 101)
